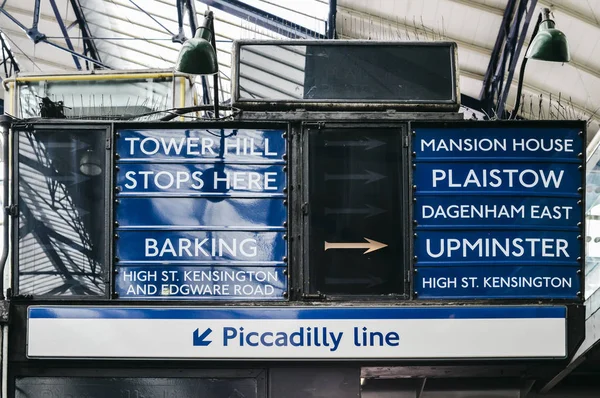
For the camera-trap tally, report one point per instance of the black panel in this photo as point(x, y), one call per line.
point(355, 196)
point(105, 387)
point(395, 73)
point(330, 382)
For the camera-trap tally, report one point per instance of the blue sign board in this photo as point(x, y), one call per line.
point(203, 208)
point(446, 248)
point(527, 281)
point(493, 143)
point(452, 211)
point(197, 282)
point(185, 179)
point(498, 211)
point(156, 246)
point(167, 213)
point(489, 178)
point(202, 146)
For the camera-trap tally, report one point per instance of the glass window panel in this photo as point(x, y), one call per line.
point(99, 99)
point(62, 210)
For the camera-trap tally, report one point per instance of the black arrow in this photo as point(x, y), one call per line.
point(370, 281)
point(200, 339)
point(369, 176)
point(368, 143)
point(368, 211)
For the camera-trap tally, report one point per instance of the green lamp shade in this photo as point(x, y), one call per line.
point(197, 55)
point(550, 44)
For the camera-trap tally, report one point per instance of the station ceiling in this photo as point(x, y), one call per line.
point(137, 34)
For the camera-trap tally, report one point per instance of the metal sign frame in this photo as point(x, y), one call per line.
point(299, 287)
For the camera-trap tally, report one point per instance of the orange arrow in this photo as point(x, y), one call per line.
point(371, 245)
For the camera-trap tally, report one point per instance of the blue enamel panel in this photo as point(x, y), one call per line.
point(201, 283)
point(489, 178)
point(498, 142)
point(499, 203)
point(210, 213)
point(191, 201)
point(198, 145)
point(480, 210)
point(201, 178)
point(448, 248)
point(203, 247)
point(497, 282)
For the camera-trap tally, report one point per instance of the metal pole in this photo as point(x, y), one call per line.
point(515, 110)
point(216, 75)
point(4, 127)
point(4, 361)
point(331, 28)
point(515, 58)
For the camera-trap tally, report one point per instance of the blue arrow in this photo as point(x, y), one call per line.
point(199, 338)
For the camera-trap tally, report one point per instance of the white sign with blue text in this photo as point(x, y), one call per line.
point(296, 333)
